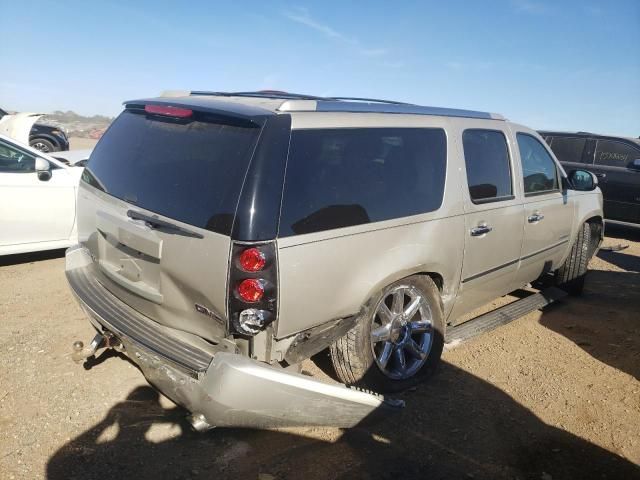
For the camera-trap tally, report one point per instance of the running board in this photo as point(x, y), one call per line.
point(503, 315)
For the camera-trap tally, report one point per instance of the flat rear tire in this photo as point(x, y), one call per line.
point(397, 341)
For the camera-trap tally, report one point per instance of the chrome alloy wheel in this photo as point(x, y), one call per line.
point(401, 332)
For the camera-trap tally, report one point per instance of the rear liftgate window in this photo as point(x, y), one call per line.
point(343, 177)
point(188, 169)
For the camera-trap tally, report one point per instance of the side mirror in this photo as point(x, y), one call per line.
point(635, 165)
point(583, 180)
point(43, 169)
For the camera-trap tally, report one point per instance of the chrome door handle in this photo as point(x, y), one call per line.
point(481, 229)
point(601, 175)
point(535, 218)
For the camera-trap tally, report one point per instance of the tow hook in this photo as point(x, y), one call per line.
point(199, 422)
point(101, 340)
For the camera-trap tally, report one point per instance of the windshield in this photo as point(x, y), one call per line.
point(189, 170)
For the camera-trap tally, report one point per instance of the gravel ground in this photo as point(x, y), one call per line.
point(79, 143)
point(555, 394)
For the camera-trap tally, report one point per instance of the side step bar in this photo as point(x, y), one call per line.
point(503, 315)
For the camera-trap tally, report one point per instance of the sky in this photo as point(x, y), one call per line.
point(570, 65)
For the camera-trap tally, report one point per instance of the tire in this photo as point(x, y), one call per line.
point(43, 145)
point(571, 275)
point(358, 360)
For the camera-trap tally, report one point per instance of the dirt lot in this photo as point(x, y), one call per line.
point(78, 143)
point(555, 394)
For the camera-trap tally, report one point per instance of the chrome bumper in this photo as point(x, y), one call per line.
point(223, 389)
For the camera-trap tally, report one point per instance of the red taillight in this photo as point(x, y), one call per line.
point(251, 290)
point(168, 111)
point(252, 260)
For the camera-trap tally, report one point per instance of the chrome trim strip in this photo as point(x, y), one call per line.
point(487, 272)
point(546, 249)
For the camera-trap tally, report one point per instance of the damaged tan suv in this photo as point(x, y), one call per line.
point(225, 237)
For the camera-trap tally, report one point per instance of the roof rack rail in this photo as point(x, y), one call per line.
point(297, 102)
point(372, 100)
point(399, 108)
point(275, 94)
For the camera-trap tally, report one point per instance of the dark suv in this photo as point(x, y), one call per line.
point(614, 160)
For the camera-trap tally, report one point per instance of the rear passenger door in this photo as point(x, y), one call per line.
point(493, 218)
point(618, 180)
point(548, 211)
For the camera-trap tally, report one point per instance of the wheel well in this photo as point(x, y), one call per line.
point(437, 279)
point(596, 225)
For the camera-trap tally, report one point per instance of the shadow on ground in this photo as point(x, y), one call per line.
point(455, 426)
point(621, 259)
point(608, 315)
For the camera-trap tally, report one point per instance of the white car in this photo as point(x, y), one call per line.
point(37, 200)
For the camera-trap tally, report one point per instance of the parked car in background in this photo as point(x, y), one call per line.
point(614, 160)
point(41, 136)
point(226, 237)
point(37, 200)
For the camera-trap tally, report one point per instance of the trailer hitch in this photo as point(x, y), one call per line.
point(101, 340)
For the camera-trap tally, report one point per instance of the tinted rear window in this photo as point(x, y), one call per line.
point(486, 158)
point(191, 171)
point(342, 177)
point(568, 149)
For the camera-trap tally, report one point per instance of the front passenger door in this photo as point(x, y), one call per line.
point(548, 211)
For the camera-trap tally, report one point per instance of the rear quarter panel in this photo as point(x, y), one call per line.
point(332, 274)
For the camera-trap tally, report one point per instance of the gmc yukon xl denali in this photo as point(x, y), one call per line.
point(226, 237)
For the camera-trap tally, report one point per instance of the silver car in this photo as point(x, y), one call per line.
point(226, 237)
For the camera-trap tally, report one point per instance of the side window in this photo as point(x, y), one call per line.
point(539, 170)
point(342, 177)
point(488, 170)
point(615, 154)
point(568, 149)
point(14, 160)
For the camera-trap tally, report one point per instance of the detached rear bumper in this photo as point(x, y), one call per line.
point(222, 388)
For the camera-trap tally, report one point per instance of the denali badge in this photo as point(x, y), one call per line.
point(209, 313)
